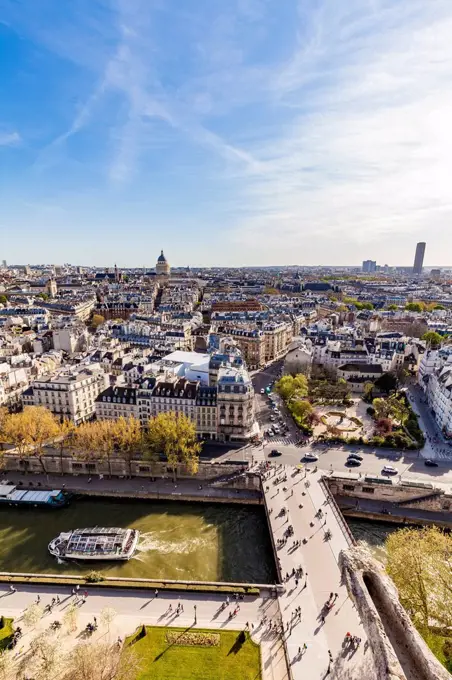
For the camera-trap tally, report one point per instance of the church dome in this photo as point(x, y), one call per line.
point(161, 257)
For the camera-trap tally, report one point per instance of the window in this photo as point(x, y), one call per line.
point(368, 489)
point(348, 487)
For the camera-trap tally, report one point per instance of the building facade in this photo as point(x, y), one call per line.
point(71, 393)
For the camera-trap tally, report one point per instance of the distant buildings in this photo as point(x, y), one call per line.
point(419, 258)
point(369, 266)
point(162, 267)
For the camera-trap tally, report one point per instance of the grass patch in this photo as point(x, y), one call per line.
point(236, 657)
point(6, 633)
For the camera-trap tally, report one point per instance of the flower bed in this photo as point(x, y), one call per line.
point(193, 639)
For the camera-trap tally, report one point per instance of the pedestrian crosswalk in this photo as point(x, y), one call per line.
point(287, 440)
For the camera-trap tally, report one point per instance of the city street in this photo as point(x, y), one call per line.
point(410, 464)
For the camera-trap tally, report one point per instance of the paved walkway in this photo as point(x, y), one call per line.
point(318, 558)
point(137, 486)
point(138, 607)
point(406, 513)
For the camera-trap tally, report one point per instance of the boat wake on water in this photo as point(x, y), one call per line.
point(152, 541)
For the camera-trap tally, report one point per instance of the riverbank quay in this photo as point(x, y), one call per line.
point(309, 564)
point(389, 512)
point(131, 610)
point(391, 500)
point(192, 489)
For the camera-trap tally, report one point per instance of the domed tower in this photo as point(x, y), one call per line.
point(162, 267)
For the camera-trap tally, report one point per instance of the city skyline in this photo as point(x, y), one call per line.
point(260, 133)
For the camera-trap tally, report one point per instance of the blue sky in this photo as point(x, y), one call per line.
point(226, 133)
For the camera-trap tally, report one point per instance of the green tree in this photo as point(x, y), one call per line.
point(432, 339)
point(302, 409)
point(174, 435)
point(392, 308)
point(414, 307)
point(3, 300)
point(387, 382)
point(97, 320)
point(368, 391)
point(420, 563)
point(289, 386)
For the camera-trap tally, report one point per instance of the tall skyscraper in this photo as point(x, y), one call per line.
point(419, 258)
point(369, 266)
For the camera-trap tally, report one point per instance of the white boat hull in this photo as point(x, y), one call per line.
point(58, 548)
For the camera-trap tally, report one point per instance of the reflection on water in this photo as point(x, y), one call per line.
point(203, 542)
point(373, 534)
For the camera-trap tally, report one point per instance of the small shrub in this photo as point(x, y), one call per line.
point(94, 577)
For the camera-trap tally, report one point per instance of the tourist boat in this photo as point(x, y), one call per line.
point(96, 543)
point(17, 497)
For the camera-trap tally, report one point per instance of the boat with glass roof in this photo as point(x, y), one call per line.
point(95, 543)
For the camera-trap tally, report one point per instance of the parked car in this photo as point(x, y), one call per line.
point(270, 433)
point(389, 470)
point(356, 456)
point(274, 453)
point(352, 462)
point(310, 457)
point(272, 418)
point(262, 391)
point(430, 463)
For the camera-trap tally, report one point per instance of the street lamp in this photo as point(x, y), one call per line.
point(195, 615)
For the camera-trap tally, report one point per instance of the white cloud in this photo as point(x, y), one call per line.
point(9, 138)
point(367, 155)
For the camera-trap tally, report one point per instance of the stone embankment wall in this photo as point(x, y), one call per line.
point(217, 474)
point(423, 497)
point(399, 651)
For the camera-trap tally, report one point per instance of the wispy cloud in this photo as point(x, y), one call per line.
point(367, 151)
point(9, 138)
point(326, 123)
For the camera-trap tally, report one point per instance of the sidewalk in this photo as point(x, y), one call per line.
point(134, 609)
point(139, 487)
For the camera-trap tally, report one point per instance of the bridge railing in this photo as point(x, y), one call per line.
point(338, 514)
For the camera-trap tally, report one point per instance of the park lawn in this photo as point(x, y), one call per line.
point(230, 660)
point(6, 633)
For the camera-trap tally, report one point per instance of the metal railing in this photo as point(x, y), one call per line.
point(351, 541)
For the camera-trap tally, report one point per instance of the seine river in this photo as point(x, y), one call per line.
point(203, 542)
point(374, 534)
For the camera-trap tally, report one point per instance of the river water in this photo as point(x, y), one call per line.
point(193, 541)
point(373, 534)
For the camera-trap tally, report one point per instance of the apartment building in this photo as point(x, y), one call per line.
point(235, 401)
point(70, 393)
point(435, 378)
point(116, 402)
point(215, 392)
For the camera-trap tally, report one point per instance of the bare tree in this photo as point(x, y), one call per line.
point(32, 614)
point(102, 661)
point(107, 616)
